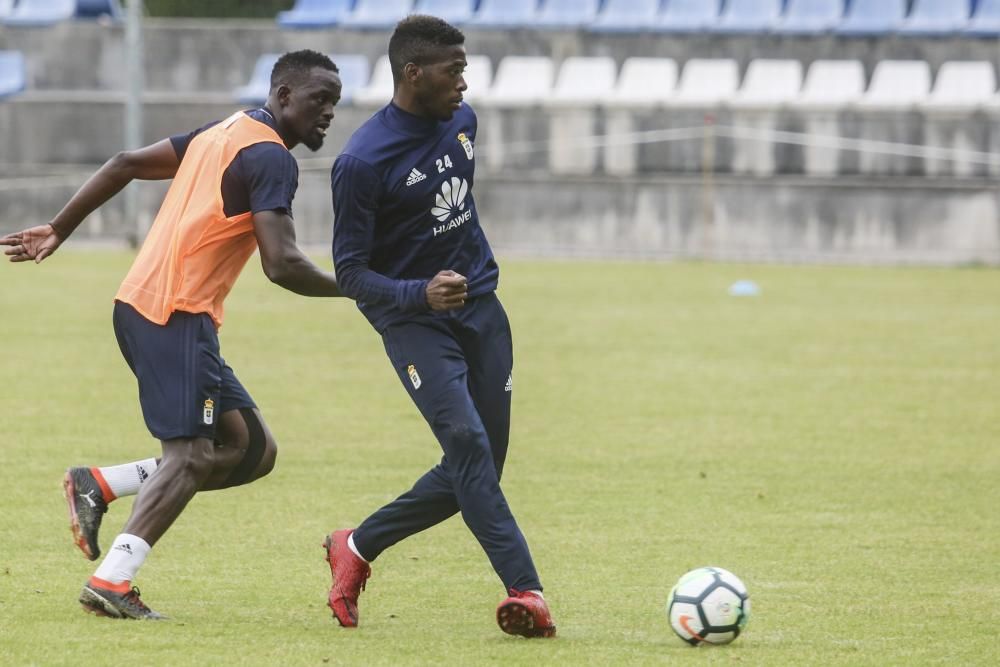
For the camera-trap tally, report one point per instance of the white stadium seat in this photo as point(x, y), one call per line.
point(645, 82)
point(521, 81)
point(583, 81)
point(897, 84)
point(379, 89)
point(478, 77)
point(706, 82)
point(769, 83)
point(832, 84)
point(962, 86)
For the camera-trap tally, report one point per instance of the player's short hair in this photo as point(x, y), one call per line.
point(293, 67)
point(417, 39)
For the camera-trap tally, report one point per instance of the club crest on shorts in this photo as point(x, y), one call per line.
point(411, 370)
point(208, 414)
point(466, 144)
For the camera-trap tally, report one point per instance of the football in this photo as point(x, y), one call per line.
point(708, 605)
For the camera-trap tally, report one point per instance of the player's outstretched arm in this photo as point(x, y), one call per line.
point(284, 262)
point(155, 162)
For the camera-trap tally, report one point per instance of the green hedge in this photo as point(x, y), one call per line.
point(244, 9)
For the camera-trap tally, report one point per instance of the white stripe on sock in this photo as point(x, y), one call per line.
point(125, 479)
point(123, 560)
point(354, 549)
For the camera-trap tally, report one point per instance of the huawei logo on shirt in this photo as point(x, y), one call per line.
point(449, 205)
point(451, 199)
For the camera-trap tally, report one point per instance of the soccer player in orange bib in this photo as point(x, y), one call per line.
point(232, 190)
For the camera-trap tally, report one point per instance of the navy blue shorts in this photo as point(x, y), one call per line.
point(184, 383)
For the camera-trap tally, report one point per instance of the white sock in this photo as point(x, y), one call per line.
point(123, 560)
point(125, 479)
point(538, 593)
point(350, 545)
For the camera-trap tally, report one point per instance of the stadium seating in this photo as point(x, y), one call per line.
point(353, 74)
point(936, 17)
point(769, 83)
point(897, 85)
point(456, 12)
point(98, 9)
point(522, 81)
point(504, 13)
point(583, 81)
point(748, 16)
point(644, 82)
point(626, 16)
point(40, 12)
point(832, 84)
point(872, 17)
point(985, 20)
point(687, 16)
point(257, 89)
point(962, 86)
point(706, 83)
point(380, 87)
point(315, 13)
point(12, 74)
point(810, 17)
point(566, 13)
point(478, 77)
point(376, 14)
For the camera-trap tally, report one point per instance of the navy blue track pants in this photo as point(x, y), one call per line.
point(457, 369)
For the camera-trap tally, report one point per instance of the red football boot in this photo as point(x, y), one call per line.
point(525, 614)
point(349, 576)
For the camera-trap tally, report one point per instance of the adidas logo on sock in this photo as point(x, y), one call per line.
point(415, 177)
point(142, 473)
point(126, 547)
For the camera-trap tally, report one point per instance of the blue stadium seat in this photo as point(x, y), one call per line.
point(936, 17)
point(626, 16)
point(5, 8)
point(687, 16)
point(872, 17)
point(748, 16)
point(455, 12)
point(566, 13)
point(12, 74)
point(354, 70)
point(315, 13)
point(255, 92)
point(985, 20)
point(810, 17)
point(99, 9)
point(377, 14)
point(505, 13)
point(40, 12)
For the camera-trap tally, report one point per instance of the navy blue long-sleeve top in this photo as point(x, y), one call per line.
point(403, 211)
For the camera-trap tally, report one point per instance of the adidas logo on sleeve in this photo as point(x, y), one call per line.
point(415, 177)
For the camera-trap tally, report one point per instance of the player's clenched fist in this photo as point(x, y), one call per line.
point(447, 290)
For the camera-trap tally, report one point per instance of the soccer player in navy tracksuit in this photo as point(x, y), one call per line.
point(409, 249)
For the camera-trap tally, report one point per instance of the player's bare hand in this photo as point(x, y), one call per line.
point(447, 290)
point(34, 243)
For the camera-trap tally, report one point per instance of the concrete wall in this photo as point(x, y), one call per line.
point(799, 219)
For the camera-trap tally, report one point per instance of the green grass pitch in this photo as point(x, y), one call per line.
point(834, 441)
